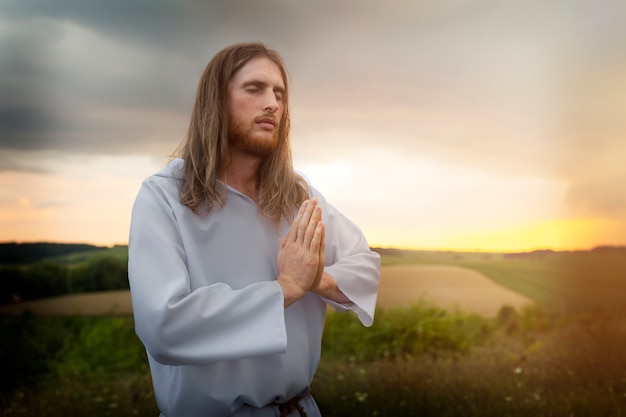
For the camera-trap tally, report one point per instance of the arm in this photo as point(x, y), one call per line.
point(352, 273)
point(186, 311)
point(327, 288)
point(183, 321)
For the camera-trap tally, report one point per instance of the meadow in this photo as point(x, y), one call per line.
point(561, 356)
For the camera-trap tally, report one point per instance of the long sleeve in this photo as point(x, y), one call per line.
point(205, 296)
point(183, 314)
point(350, 261)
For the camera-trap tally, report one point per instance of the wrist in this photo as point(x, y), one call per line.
point(328, 289)
point(291, 291)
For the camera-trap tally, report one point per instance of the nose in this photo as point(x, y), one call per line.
point(271, 103)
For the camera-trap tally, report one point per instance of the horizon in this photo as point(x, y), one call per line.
point(372, 247)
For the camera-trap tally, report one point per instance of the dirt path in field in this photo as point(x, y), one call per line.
point(98, 303)
point(401, 285)
point(445, 286)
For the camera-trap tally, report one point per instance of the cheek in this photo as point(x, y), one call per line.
point(239, 109)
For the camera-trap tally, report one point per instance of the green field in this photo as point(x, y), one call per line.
point(566, 282)
point(565, 357)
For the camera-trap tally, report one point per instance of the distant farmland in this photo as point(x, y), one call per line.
point(445, 286)
point(401, 286)
point(567, 282)
point(563, 356)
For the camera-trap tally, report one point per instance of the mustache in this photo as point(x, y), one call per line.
point(267, 118)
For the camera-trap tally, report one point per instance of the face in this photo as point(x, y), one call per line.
point(255, 107)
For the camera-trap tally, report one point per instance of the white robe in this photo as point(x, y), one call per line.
point(209, 310)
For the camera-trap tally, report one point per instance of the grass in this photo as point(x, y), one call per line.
point(564, 357)
point(73, 366)
point(417, 257)
point(118, 252)
point(566, 282)
point(569, 282)
point(508, 376)
point(417, 361)
point(529, 363)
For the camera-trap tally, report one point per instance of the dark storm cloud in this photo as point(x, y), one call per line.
point(25, 107)
point(51, 95)
point(75, 75)
point(148, 21)
point(21, 127)
point(143, 58)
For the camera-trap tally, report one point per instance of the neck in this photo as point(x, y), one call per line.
point(242, 174)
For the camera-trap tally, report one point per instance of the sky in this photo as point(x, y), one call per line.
point(482, 125)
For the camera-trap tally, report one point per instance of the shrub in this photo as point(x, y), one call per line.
point(404, 332)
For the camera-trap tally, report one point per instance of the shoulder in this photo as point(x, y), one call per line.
point(173, 170)
point(170, 173)
point(165, 182)
point(313, 192)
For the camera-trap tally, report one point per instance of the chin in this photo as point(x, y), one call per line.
point(261, 149)
point(256, 145)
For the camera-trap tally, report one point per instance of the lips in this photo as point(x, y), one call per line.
point(266, 122)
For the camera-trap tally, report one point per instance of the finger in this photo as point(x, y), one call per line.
point(293, 231)
point(323, 242)
point(318, 235)
point(305, 220)
point(322, 254)
point(316, 216)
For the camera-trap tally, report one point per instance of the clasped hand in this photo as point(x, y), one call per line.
point(301, 254)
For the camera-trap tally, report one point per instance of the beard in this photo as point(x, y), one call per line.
point(246, 140)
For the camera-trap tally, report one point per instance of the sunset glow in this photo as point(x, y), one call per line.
point(494, 128)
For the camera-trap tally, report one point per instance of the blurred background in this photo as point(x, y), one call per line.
point(479, 144)
point(463, 125)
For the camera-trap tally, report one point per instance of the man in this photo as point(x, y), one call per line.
point(233, 257)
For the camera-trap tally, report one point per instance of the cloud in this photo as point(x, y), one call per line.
point(603, 196)
point(476, 58)
point(78, 91)
point(149, 22)
point(515, 89)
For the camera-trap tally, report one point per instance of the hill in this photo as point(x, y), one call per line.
point(13, 253)
point(568, 282)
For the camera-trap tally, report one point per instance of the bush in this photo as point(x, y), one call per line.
point(48, 279)
point(542, 366)
point(101, 349)
point(11, 284)
point(100, 274)
point(404, 332)
point(30, 346)
point(73, 366)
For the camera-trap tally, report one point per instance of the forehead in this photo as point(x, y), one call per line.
point(260, 69)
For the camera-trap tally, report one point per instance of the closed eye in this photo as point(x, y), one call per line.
point(257, 87)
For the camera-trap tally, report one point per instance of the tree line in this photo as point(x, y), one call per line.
point(13, 253)
point(48, 279)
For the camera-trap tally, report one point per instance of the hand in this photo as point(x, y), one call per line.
point(328, 289)
point(322, 259)
point(300, 264)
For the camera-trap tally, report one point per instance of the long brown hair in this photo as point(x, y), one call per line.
point(204, 148)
